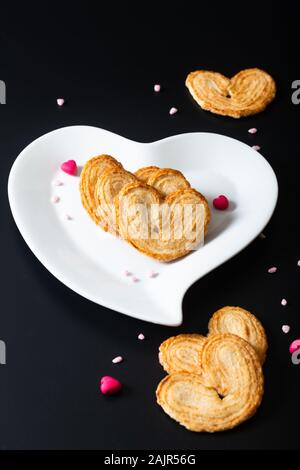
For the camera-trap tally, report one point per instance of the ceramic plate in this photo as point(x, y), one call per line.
point(92, 262)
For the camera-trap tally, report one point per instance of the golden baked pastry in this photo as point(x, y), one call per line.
point(181, 353)
point(167, 181)
point(248, 92)
point(88, 181)
point(143, 174)
point(242, 323)
point(235, 392)
point(164, 229)
point(108, 186)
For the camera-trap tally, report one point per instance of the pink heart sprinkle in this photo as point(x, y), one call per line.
point(69, 167)
point(295, 345)
point(253, 130)
point(157, 88)
point(272, 270)
point(60, 101)
point(141, 336)
point(221, 203)
point(286, 328)
point(173, 111)
point(109, 385)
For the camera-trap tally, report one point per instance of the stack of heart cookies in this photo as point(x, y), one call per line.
point(214, 382)
point(154, 209)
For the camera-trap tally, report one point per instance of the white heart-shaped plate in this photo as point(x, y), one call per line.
point(92, 262)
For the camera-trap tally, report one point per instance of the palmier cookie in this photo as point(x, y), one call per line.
point(242, 323)
point(108, 186)
point(248, 92)
point(181, 353)
point(143, 174)
point(162, 233)
point(234, 394)
point(88, 181)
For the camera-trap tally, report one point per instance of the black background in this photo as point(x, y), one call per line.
point(105, 63)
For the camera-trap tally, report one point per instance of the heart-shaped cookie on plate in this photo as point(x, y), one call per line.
point(248, 92)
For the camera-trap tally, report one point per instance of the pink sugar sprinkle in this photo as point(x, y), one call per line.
point(127, 273)
point(60, 101)
point(141, 336)
point(153, 274)
point(272, 270)
point(55, 199)
point(284, 302)
point(135, 279)
point(117, 359)
point(256, 147)
point(157, 87)
point(253, 130)
point(286, 328)
point(173, 111)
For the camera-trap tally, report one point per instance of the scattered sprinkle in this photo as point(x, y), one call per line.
point(284, 302)
point(127, 273)
point(153, 274)
point(256, 147)
point(173, 111)
point(60, 101)
point(141, 336)
point(55, 199)
point(69, 167)
point(58, 183)
point(295, 345)
point(272, 270)
point(135, 279)
point(298, 263)
point(221, 203)
point(286, 328)
point(262, 236)
point(253, 130)
point(109, 385)
point(117, 359)
point(68, 217)
point(157, 87)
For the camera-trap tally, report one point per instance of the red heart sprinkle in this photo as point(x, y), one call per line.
point(109, 385)
point(221, 203)
point(69, 167)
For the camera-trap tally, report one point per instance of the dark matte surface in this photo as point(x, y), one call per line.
point(59, 344)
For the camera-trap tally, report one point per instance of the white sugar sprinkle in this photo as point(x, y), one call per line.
point(135, 279)
point(157, 88)
point(256, 147)
point(117, 359)
point(58, 183)
point(253, 130)
point(127, 273)
point(298, 263)
point(68, 217)
point(272, 270)
point(60, 101)
point(262, 236)
point(153, 274)
point(286, 328)
point(173, 111)
point(284, 302)
point(141, 336)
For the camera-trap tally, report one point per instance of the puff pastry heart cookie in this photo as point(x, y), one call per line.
point(248, 92)
point(234, 372)
point(163, 228)
point(181, 353)
point(242, 323)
